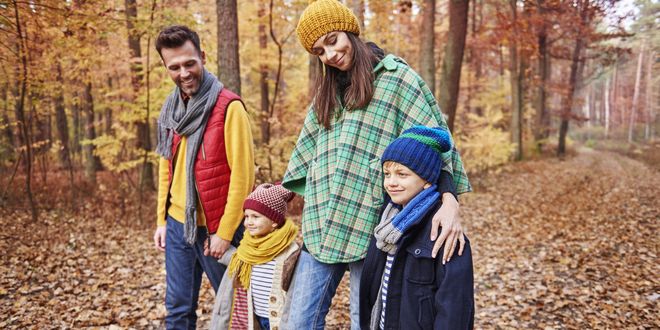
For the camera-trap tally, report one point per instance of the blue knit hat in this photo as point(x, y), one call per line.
point(419, 149)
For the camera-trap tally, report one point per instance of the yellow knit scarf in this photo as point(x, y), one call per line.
point(258, 250)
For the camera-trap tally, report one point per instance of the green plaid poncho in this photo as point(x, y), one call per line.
point(338, 170)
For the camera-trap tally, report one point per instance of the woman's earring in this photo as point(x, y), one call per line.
point(323, 65)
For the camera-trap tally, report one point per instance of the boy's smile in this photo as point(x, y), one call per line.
point(401, 183)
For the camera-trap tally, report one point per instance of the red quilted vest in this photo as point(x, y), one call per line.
point(212, 170)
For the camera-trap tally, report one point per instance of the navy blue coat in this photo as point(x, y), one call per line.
point(422, 292)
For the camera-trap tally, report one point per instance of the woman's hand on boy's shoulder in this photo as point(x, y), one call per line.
point(448, 219)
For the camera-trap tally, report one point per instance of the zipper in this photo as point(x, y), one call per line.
point(203, 151)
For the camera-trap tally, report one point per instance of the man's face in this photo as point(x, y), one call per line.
point(185, 66)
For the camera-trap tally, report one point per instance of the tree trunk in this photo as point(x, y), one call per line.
point(427, 45)
point(542, 130)
point(143, 136)
point(5, 116)
point(568, 100)
point(515, 68)
point(614, 93)
point(107, 115)
point(19, 110)
point(90, 162)
point(263, 80)
point(61, 120)
point(75, 109)
point(450, 76)
point(228, 60)
point(638, 75)
point(63, 132)
point(606, 101)
point(357, 6)
point(649, 106)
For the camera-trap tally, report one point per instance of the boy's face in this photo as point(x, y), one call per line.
point(401, 183)
point(258, 224)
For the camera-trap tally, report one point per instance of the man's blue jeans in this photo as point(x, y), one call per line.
point(184, 265)
point(313, 289)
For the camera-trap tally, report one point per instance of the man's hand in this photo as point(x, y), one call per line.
point(452, 231)
point(159, 238)
point(217, 248)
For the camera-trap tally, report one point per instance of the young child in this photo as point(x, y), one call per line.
point(253, 291)
point(402, 286)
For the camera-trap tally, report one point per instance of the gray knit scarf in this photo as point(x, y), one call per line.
point(395, 222)
point(189, 121)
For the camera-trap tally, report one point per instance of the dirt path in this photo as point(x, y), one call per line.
point(557, 244)
point(567, 244)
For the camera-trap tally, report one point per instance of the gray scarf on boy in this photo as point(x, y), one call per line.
point(189, 121)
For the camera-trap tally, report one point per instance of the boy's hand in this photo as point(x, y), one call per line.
point(217, 248)
point(452, 231)
point(159, 238)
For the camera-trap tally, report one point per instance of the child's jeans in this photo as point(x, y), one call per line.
point(264, 324)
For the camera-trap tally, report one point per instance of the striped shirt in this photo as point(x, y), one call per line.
point(261, 282)
point(383, 294)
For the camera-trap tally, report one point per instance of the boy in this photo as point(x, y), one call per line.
point(402, 286)
point(253, 292)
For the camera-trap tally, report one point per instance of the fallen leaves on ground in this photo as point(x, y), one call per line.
point(556, 244)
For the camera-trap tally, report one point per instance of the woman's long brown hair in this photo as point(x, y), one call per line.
point(357, 95)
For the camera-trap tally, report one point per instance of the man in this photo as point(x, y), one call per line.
point(205, 173)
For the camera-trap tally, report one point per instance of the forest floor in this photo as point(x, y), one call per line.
point(557, 244)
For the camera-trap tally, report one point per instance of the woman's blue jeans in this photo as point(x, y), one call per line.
point(313, 289)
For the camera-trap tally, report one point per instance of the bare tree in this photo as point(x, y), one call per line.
point(567, 104)
point(228, 60)
point(19, 109)
point(517, 76)
point(427, 45)
point(263, 77)
point(635, 103)
point(542, 130)
point(143, 135)
point(450, 76)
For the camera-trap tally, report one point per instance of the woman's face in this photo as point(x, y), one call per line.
point(335, 49)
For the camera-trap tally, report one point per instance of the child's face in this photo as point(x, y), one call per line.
point(401, 183)
point(258, 224)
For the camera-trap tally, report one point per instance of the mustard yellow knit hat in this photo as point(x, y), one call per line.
point(322, 17)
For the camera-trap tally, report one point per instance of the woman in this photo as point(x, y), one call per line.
point(363, 101)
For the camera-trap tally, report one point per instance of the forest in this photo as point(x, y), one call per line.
point(553, 105)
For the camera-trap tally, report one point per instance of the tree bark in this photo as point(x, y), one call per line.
point(357, 6)
point(19, 110)
point(61, 120)
point(63, 131)
point(228, 60)
point(542, 130)
point(516, 72)
point(263, 80)
point(427, 45)
point(606, 101)
point(649, 106)
point(450, 76)
point(143, 135)
point(9, 136)
point(90, 161)
point(575, 61)
point(107, 116)
point(635, 102)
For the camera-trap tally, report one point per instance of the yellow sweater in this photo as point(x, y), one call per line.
point(240, 156)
